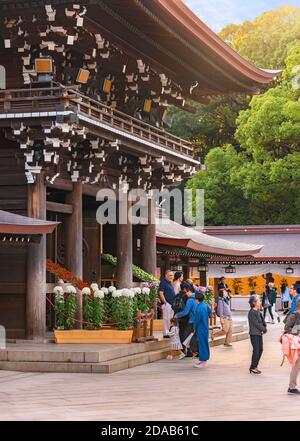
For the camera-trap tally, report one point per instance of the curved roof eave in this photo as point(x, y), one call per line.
point(174, 234)
point(201, 32)
point(11, 223)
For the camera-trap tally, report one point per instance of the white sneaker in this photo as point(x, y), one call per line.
point(197, 365)
point(169, 357)
point(181, 356)
point(200, 365)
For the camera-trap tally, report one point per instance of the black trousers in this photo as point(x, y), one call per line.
point(183, 322)
point(270, 312)
point(258, 348)
point(286, 305)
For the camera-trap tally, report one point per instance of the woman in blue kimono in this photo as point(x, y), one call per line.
point(201, 323)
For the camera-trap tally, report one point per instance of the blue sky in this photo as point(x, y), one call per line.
point(218, 13)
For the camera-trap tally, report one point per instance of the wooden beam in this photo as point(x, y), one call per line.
point(56, 207)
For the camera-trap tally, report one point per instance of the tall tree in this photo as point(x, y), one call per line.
point(261, 183)
point(225, 203)
point(267, 40)
point(213, 124)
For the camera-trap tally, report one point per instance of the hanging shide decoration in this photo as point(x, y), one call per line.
point(59, 44)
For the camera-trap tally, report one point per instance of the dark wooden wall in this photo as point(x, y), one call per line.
point(13, 185)
point(91, 246)
point(13, 288)
point(13, 198)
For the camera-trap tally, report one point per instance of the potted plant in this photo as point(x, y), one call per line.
point(65, 306)
point(121, 308)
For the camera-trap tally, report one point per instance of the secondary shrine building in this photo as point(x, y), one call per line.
point(86, 87)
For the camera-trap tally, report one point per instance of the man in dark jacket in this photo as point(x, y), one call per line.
point(223, 285)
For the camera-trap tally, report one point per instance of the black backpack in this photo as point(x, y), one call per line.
point(178, 304)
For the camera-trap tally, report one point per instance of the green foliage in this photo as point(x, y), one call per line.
point(224, 202)
point(93, 312)
point(59, 307)
point(99, 312)
point(209, 296)
point(266, 41)
point(87, 310)
point(138, 272)
point(123, 312)
point(213, 125)
point(65, 308)
point(259, 182)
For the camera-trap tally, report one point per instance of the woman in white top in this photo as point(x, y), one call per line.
point(178, 279)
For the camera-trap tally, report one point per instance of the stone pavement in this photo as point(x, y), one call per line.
point(224, 391)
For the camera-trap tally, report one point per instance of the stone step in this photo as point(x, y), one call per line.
point(237, 328)
point(239, 336)
point(107, 367)
point(105, 359)
point(76, 354)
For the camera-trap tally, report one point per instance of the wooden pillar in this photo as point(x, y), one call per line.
point(149, 242)
point(186, 268)
point(73, 241)
point(166, 265)
point(203, 278)
point(216, 291)
point(124, 251)
point(36, 265)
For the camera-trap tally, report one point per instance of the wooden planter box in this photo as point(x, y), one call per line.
point(158, 325)
point(103, 336)
point(142, 333)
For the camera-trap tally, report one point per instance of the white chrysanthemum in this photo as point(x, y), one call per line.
point(58, 290)
point(99, 294)
point(126, 292)
point(86, 292)
point(137, 290)
point(111, 289)
point(104, 290)
point(146, 291)
point(117, 293)
point(69, 289)
point(131, 295)
point(95, 287)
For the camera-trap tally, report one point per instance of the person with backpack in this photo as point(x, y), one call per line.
point(188, 312)
point(224, 312)
point(178, 306)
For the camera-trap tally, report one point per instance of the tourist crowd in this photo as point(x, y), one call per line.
point(186, 317)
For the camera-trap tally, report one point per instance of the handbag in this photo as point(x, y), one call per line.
point(267, 303)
